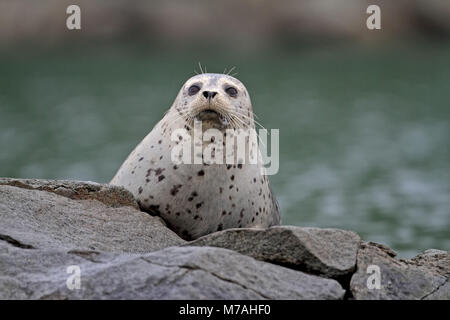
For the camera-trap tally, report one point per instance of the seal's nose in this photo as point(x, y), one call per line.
point(209, 94)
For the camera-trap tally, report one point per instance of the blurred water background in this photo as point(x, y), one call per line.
point(364, 125)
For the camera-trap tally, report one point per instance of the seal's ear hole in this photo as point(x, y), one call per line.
point(193, 89)
point(231, 91)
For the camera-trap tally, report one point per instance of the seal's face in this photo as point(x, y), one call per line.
point(218, 100)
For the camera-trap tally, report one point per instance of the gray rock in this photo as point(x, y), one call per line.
point(327, 252)
point(399, 279)
point(435, 260)
point(172, 273)
point(113, 196)
point(441, 293)
point(31, 218)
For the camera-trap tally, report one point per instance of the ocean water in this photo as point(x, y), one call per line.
point(364, 132)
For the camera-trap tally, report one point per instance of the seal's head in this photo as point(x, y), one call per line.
point(218, 100)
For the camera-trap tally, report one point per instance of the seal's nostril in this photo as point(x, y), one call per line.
point(209, 94)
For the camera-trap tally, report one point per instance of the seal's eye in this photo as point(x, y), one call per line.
point(193, 89)
point(231, 91)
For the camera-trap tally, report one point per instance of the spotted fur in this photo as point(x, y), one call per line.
point(198, 199)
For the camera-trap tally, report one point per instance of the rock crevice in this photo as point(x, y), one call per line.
point(123, 253)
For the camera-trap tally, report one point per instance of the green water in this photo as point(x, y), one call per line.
point(364, 134)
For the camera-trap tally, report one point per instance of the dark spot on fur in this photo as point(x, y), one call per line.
point(232, 178)
point(240, 165)
point(159, 141)
point(224, 212)
point(140, 159)
point(196, 217)
point(198, 205)
point(175, 189)
point(219, 227)
point(201, 173)
point(161, 177)
point(175, 167)
point(140, 190)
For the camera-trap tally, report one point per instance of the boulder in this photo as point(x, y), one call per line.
point(399, 279)
point(171, 273)
point(49, 226)
point(81, 216)
point(326, 252)
point(113, 196)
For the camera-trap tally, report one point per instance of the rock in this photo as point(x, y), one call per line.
point(123, 253)
point(326, 252)
point(172, 273)
point(33, 218)
point(113, 196)
point(399, 279)
point(441, 293)
point(436, 260)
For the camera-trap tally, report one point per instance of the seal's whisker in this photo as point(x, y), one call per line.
point(249, 118)
point(255, 121)
point(244, 125)
point(200, 66)
point(176, 116)
point(238, 120)
point(232, 68)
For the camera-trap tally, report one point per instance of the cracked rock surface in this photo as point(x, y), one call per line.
point(172, 273)
point(47, 226)
point(399, 279)
point(327, 252)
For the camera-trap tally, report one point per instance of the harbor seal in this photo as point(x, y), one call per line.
point(200, 198)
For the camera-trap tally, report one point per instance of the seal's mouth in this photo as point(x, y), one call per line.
point(209, 114)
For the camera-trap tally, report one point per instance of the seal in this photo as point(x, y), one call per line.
point(199, 198)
